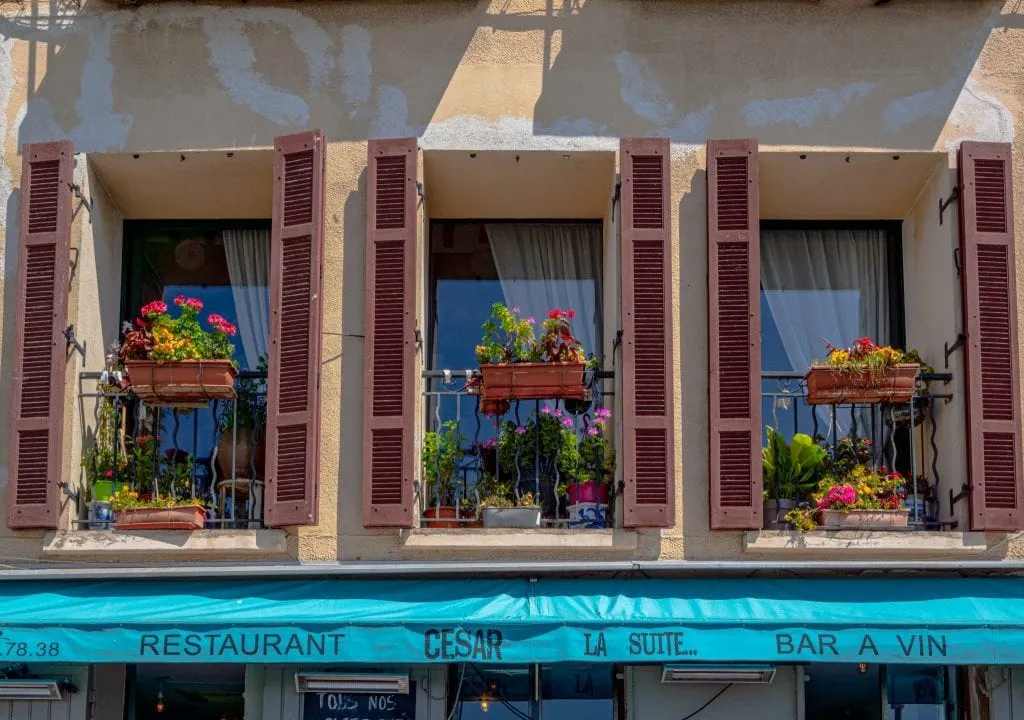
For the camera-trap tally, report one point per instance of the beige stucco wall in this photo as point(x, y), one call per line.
point(197, 82)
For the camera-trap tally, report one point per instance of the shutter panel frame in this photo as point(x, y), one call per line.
point(296, 297)
point(37, 424)
point(734, 380)
point(390, 401)
point(648, 428)
point(991, 352)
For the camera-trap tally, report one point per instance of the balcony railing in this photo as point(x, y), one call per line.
point(212, 455)
point(901, 436)
point(547, 449)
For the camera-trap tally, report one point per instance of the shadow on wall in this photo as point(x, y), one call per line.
point(786, 73)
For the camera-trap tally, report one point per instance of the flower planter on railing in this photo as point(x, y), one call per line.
point(182, 383)
point(866, 519)
point(187, 517)
point(830, 385)
point(527, 516)
point(533, 381)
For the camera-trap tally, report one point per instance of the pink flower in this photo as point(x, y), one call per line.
point(194, 303)
point(838, 494)
point(557, 412)
point(154, 308)
point(215, 319)
point(520, 430)
point(109, 473)
point(546, 410)
point(567, 422)
point(592, 431)
point(180, 300)
point(531, 319)
point(572, 314)
point(515, 309)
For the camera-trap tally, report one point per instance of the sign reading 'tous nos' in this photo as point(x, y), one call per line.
point(351, 706)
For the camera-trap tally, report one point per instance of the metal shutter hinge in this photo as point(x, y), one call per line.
point(73, 342)
point(943, 204)
point(76, 190)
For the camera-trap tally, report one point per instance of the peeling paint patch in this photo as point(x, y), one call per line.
point(927, 103)
point(356, 67)
point(692, 128)
point(234, 58)
point(471, 132)
point(101, 128)
point(641, 91)
point(391, 118)
point(806, 110)
point(978, 115)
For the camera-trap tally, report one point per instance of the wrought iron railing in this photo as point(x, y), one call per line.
point(899, 436)
point(211, 455)
point(560, 452)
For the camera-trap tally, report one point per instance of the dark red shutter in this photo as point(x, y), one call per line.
point(734, 335)
point(646, 264)
point(296, 299)
point(990, 322)
point(44, 247)
point(390, 399)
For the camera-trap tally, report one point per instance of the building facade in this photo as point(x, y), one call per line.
point(710, 194)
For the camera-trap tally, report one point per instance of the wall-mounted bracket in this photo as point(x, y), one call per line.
point(76, 190)
point(68, 491)
point(950, 349)
point(73, 342)
point(955, 498)
point(943, 204)
point(419, 339)
point(617, 341)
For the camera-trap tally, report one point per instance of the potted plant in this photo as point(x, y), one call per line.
point(587, 492)
point(863, 373)
point(515, 364)
point(174, 361)
point(863, 498)
point(441, 455)
point(243, 425)
point(136, 513)
point(105, 460)
point(510, 509)
point(790, 473)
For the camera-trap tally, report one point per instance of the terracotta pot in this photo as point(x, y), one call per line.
point(588, 492)
point(181, 383)
point(533, 381)
point(441, 516)
point(827, 385)
point(242, 438)
point(867, 519)
point(189, 517)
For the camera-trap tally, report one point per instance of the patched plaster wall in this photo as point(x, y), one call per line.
point(489, 75)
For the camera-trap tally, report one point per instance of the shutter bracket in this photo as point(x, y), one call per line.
point(76, 190)
point(67, 490)
point(965, 490)
point(943, 204)
point(957, 344)
point(73, 342)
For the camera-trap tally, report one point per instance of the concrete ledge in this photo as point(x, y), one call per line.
point(860, 543)
point(490, 540)
point(154, 544)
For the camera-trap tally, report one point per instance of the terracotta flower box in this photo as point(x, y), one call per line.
point(827, 385)
point(867, 519)
point(186, 517)
point(182, 383)
point(442, 516)
point(533, 381)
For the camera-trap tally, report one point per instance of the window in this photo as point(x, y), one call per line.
point(538, 692)
point(198, 692)
point(873, 692)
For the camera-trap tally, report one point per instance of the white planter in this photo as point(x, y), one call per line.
point(512, 517)
point(588, 515)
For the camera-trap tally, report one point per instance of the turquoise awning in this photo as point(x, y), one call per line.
point(906, 620)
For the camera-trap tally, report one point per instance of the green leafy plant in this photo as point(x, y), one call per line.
point(790, 471)
point(249, 409)
point(442, 453)
point(126, 499)
point(864, 354)
point(158, 336)
point(507, 337)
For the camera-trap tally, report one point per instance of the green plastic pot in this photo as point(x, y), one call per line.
point(104, 490)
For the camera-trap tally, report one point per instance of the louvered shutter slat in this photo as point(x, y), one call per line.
point(296, 303)
point(44, 239)
point(990, 321)
point(734, 326)
point(389, 420)
point(646, 262)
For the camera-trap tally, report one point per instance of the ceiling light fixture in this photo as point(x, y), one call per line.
point(717, 673)
point(351, 683)
point(29, 689)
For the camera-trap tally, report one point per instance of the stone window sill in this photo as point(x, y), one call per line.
point(855, 543)
point(155, 544)
point(553, 540)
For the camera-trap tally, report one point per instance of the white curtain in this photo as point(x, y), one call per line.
point(825, 285)
point(248, 257)
point(545, 266)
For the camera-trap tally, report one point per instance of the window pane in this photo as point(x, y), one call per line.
point(577, 692)
point(842, 691)
point(917, 693)
point(487, 693)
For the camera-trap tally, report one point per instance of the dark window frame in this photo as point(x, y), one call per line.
point(894, 262)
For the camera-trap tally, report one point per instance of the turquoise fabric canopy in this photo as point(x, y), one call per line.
point(513, 621)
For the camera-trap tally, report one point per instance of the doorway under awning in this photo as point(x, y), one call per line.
point(950, 621)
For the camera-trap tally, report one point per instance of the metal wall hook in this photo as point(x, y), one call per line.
point(943, 204)
point(73, 342)
point(950, 349)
